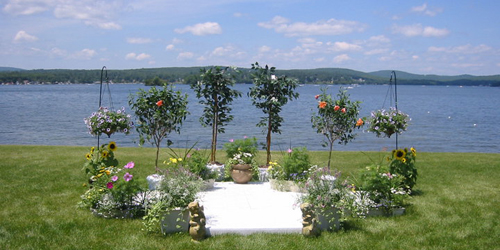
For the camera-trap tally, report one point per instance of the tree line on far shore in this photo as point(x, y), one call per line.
point(188, 75)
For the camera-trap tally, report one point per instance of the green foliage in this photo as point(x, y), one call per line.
point(402, 163)
point(382, 186)
point(245, 145)
point(155, 82)
point(270, 94)
point(215, 93)
point(110, 187)
point(336, 119)
point(296, 164)
point(160, 112)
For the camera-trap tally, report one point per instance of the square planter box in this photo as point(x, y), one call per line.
point(175, 221)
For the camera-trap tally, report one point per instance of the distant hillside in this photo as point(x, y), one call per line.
point(192, 74)
point(3, 69)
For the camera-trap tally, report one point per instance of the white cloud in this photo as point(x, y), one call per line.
point(343, 46)
point(139, 40)
point(16, 7)
point(91, 12)
point(341, 58)
point(138, 57)
point(23, 36)
point(379, 39)
point(170, 47)
point(376, 51)
point(85, 54)
point(463, 49)
point(419, 30)
point(329, 27)
point(185, 55)
point(426, 11)
point(264, 49)
point(201, 29)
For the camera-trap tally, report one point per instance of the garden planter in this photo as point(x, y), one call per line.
point(328, 219)
point(175, 221)
point(241, 173)
point(384, 212)
point(284, 186)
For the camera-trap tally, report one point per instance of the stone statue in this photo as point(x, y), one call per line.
point(309, 221)
point(197, 222)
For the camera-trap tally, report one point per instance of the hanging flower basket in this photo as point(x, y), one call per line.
point(385, 123)
point(106, 121)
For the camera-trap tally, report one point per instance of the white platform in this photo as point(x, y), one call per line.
point(250, 208)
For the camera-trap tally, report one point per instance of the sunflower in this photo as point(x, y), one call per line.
point(399, 154)
point(92, 150)
point(112, 146)
point(88, 156)
point(105, 154)
point(413, 152)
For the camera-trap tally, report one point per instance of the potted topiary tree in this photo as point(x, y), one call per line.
point(160, 112)
point(270, 94)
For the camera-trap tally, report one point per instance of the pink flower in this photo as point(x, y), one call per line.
point(343, 110)
point(231, 140)
point(109, 185)
point(127, 177)
point(244, 137)
point(289, 150)
point(129, 165)
point(336, 107)
point(114, 178)
point(316, 97)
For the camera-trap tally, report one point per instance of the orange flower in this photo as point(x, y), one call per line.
point(336, 107)
point(322, 105)
point(359, 122)
point(316, 97)
point(343, 110)
point(159, 103)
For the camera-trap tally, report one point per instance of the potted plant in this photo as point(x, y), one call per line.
point(106, 121)
point(241, 165)
point(290, 175)
point(269, 94)
point(166, 207)
point(384, 189)
point(325, 193)
point(384, 123)
point(160, 112)
point(336, 119)
point(113, 192)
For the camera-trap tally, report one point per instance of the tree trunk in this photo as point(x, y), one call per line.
point(215, 122)
point(268, 138)
point(330, 154)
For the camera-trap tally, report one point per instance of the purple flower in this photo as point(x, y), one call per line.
point(109, 185)
point(129, 165)
point(114, 178)
point(127, 177)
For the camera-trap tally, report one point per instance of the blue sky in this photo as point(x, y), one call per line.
point(438, 37)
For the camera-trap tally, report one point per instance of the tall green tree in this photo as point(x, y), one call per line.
point(215, 93)
point(160, 112)
point(270, 93)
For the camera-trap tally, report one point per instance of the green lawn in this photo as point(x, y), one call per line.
point(457, 206)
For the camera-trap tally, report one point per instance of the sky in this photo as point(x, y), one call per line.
point(437, 37)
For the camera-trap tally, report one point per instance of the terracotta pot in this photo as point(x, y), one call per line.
point(241, 173)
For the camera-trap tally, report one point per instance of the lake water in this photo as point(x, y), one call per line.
point(444, 119)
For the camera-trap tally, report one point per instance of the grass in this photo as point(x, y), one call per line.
point(457, 206)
